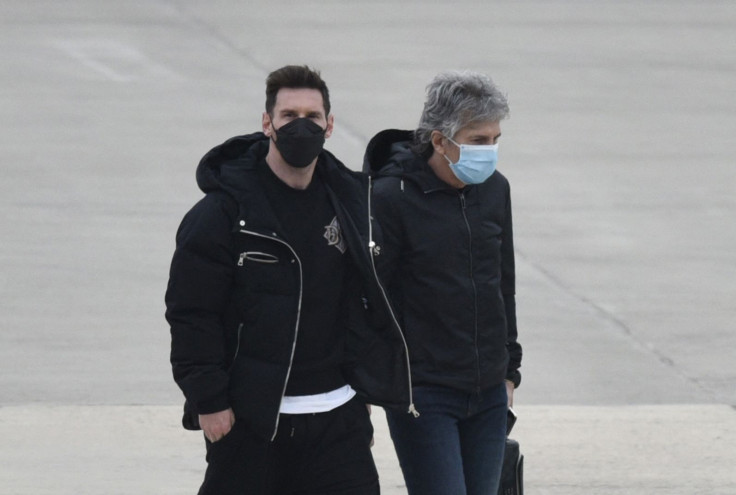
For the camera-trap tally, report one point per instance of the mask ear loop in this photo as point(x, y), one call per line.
point(458, 146)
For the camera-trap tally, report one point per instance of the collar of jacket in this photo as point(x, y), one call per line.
point(414, 168)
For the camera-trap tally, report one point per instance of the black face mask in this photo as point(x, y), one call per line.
point(299, 141)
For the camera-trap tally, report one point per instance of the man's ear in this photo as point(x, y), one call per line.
point(330, 125)
point(438, 142)
point(266, 124)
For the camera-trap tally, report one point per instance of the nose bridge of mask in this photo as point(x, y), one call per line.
point(300, 126)
point(475, 147)
point(473, 152)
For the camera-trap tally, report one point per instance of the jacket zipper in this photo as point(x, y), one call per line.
point(475, 289)
point(372, 248)
point(298, 317)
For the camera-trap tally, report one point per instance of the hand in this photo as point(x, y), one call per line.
point(510, 392)
point(217, 425)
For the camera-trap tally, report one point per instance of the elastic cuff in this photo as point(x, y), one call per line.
point(514, 377)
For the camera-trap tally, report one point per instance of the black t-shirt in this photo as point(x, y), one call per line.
point(311, 229)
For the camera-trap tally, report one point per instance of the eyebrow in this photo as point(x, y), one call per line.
point(316, 113)
point(483, 136)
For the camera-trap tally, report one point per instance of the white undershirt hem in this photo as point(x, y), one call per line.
point(318, 403)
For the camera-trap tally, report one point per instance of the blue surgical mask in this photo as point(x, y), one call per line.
point(476, 164)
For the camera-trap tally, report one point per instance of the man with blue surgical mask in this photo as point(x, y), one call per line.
point(447, 261)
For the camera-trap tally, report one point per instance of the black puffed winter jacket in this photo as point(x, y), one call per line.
point(447, 261)
point(234, 294)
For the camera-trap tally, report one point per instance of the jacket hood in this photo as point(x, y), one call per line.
point(221, 168)
point(390, 154)
point(387, 151)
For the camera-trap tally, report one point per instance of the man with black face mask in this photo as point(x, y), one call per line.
point(280, 330)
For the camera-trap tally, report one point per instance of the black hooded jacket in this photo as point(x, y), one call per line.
point(234, 323)
point(447, 261)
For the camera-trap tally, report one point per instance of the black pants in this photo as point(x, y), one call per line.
point(312, 454)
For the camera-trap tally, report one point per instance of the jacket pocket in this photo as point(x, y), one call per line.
point(257, 257)
point(223, 450)
point(263, 272)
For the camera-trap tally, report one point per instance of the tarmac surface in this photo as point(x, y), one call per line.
point(620, 155)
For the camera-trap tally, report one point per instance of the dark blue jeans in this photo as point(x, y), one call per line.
point(456, 445)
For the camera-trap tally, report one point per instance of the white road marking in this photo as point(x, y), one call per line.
point(115, 60)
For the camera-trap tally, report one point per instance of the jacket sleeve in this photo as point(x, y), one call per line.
point(199, 287)
point(508, 290)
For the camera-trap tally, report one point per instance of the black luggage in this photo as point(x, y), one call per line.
point(512, 473)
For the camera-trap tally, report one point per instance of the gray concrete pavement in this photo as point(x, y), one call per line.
point(578, 450)
point(619, 151)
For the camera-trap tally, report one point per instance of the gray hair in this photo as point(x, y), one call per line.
point(454, 100)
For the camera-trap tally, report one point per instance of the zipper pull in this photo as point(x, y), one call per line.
point(462, 200)
point(413, 410)
point(242, 257)
point(374, 248)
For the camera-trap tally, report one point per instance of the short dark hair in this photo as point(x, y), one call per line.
point(295, 77)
